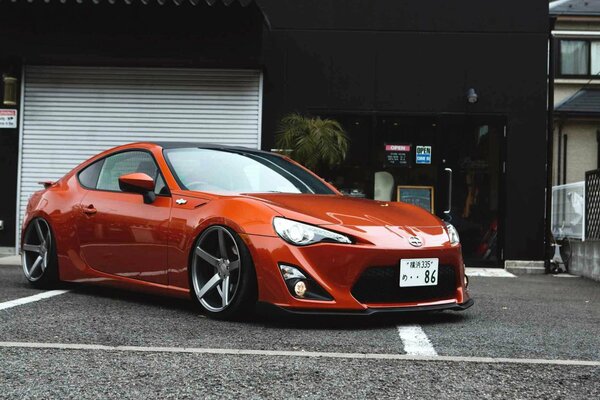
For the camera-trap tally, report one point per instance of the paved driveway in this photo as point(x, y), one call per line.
point(526, 337)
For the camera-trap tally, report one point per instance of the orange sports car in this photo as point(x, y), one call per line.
point(231, 228)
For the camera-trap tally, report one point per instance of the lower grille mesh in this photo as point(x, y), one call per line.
point(381, 285)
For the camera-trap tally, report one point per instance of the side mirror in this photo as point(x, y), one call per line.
point(138, 182)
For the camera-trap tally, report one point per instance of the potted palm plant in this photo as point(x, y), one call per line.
point(312, 141)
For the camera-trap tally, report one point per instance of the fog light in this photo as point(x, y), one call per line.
point(301, 285)
point(300, 288)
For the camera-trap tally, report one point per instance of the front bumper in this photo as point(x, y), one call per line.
point(338, 267)
point(276, 310)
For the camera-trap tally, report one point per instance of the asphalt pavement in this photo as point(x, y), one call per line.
point(525, 337)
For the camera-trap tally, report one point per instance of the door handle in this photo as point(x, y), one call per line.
point(447, 212)
point(90, 210)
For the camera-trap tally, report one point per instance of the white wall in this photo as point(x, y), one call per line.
point(582, 149)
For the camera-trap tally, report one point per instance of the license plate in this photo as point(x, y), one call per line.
point(418, 272)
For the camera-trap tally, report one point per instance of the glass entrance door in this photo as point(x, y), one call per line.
point(460, 159)
point(470, 166)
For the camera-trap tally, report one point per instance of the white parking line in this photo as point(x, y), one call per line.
point(286, 353)
point(416, 342)
point(31, 299)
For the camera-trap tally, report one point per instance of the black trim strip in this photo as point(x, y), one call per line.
point(268, 307)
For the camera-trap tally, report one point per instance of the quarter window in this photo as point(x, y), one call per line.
point(125, 163)
point(89, 176)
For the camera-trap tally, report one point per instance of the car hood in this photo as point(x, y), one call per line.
point(349, 211)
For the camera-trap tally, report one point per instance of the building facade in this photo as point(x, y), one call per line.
point(576, 44)
point(450, 108)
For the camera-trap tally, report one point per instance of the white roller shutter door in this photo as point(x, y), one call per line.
point(72, 113)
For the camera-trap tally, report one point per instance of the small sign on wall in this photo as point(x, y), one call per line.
point(397, 155)
point(423, 155)
point(421, 196)
point(8, 118)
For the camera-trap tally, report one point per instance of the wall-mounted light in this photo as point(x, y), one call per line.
point(472, 96)
point(10, 90)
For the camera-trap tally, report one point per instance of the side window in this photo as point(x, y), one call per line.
point(125, 163)
point(88, 177)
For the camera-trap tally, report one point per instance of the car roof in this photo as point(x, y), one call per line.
point(182, 145)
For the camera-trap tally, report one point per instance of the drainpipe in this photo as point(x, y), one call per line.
point(598, 149)
point(549, 147)
point(564, 173)
point(559, 153)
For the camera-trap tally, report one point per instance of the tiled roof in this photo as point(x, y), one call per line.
point(585, 103)
point(575, 7)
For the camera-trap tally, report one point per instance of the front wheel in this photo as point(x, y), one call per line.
point(222, 274)
point(38, 258)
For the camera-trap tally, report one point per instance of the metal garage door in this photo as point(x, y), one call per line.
point(72, 113)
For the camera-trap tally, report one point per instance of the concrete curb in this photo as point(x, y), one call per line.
point(10, 261)
point(519, 267)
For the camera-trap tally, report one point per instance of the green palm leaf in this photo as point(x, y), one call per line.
point(312, 141)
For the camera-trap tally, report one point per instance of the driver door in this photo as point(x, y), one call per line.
point(119, 234)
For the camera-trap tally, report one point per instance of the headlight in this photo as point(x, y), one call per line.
point(302, 234)
point(452, 234)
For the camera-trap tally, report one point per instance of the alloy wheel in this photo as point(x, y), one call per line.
point(216, 269)
point(36, 249)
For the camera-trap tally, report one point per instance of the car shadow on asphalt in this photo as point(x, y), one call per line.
point(265, 318)
point(344, 322)
point(139, 298)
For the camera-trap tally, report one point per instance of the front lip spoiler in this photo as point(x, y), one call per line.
point(272, 308)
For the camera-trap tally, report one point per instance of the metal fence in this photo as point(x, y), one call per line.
point(569, 211)
point(592, 204)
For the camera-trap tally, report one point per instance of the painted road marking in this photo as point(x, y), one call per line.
point(489, 272)
point(416, 342)
point(284, 353)
point(31, 299)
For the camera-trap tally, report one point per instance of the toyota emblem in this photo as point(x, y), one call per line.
point(415, 241)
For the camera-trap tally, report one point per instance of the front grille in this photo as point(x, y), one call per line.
point(381, 285)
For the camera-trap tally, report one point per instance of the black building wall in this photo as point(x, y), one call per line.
point(132, 35)
point(373, 56)
point(420, 57)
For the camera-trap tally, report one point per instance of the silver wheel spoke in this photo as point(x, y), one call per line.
point(32, 247)
point(222, 248)
point(207, 257)
point(233, 265)
point(36, 250)
point(212, 282)
point(216, 287)
point(35, 265)
point(225, 291)
point(38, 229)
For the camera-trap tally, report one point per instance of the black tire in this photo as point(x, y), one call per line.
point(244, 300)
point(39, 234)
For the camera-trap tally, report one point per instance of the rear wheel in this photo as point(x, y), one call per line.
point(38, 258)
point(222, 274)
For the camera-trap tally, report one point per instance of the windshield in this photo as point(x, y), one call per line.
point(235, 171)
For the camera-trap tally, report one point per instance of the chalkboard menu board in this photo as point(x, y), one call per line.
point(421, 196)
point(397, 155)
